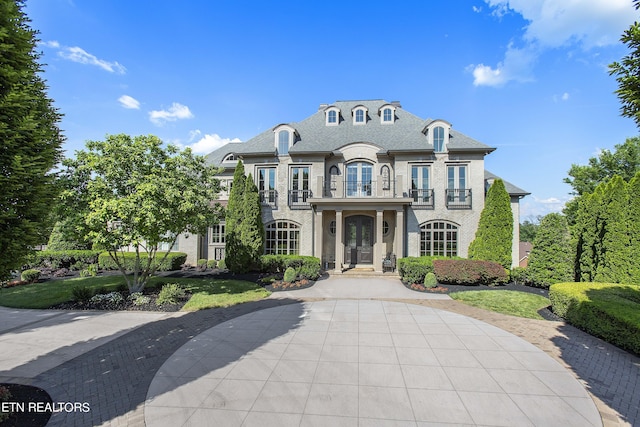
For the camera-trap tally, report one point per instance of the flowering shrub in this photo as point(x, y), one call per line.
point(469, 272)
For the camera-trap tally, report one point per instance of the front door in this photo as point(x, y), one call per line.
point(358, 240)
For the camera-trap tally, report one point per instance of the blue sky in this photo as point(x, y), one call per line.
point(526, 76)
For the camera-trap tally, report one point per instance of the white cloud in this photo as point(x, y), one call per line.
point(175, 112)
point(553, 24)
point(77, 54)
point(564, 97)
point(209, 142)
point(128, 102)
point(52, 43)
point(533, 206)
point(516, 66)
point(476, 9)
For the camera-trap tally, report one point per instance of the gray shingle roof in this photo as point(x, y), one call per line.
point(513, 190)
point(405, 134)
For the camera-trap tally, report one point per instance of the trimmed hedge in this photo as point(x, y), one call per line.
point(74, 260)
point(173, 261)
point(606, 310)
point(414, 269)
point(469, 272)
point(307, 267)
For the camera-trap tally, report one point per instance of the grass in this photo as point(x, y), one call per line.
point(207, 293)
point(515, 303)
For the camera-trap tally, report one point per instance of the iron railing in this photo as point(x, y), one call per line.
point(269, 198)
point(298, 199)
point(422, 198)
point(458, 198)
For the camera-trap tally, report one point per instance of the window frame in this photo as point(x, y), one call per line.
point(447, 245)
point(220, 234)
point(277, 234)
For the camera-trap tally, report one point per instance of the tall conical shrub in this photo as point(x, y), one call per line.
point(551, 259)
point(251, 227)
point(233, 219)
point(494, 237)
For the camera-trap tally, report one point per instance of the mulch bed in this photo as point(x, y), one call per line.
point(34, 414)
point(127, 304)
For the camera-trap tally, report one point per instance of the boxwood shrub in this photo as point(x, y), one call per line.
point(173, 261)
point(62, 259)
point(307, 267)
point(415, 269)
point(606, 310)
point(469, 272)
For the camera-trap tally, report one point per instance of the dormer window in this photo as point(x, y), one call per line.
point(284, 138)
point(359, 115)
point(438, 133)
point(230, 157)
point(387, 113)
point(332, 116)
point(438, 139)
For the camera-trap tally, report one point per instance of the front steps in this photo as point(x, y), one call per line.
point(363, 272)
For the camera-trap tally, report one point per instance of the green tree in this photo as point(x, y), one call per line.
point(234, 250)
point(627, 72)
point(623, 161)
point(133, 192)
point(552, 257)
point(612, 232)
point(63, 238)
point(494, 237)
point(252, 227)
point(529, 229)
point(31, 140)
point(634, 229)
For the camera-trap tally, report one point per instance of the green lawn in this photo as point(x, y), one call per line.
point(515, 303)
point(207, 293)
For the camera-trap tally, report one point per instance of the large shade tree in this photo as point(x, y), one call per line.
point(135, 193)
point(627, 72)
point(494, 237)
point(30, 140)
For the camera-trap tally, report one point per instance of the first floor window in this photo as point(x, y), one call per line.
point(282, 238)
point(439, 238)
point(217, 233)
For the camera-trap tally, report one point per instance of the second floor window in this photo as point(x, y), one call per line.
point(217, 233)
point(267, 185)
point(299, 188)
point(358, 180)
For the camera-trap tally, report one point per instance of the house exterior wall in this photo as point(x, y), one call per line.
point(395, 215)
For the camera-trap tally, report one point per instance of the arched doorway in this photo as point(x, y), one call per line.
point(358, 240)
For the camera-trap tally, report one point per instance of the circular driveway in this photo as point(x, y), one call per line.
point(363, 363)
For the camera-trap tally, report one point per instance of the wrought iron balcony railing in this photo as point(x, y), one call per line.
point(298, 199)
point(422, 198)
point(458, 198)
point(269, 198)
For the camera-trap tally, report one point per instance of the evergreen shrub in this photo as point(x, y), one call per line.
point(606, 310)
point(62, 259)
point(430, 280)
point(212, 263)
point(469, 272)
point(553, 255)
point(222, 265)
point(173, 261)
point(290, 275)
point(308, 267)
point(31, 275)
point(415, 269)
point(520, 276)
point(81, 293)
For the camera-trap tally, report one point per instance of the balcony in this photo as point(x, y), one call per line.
point(298, 199)
point(422, 198)
point(458, 198)
point(380, 188)
point(269, 198)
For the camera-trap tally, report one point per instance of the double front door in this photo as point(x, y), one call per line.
point(358, 240)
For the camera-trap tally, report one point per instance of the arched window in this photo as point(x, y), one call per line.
point(387, 115)
point(230, 157)
point(438, 139)
point(284, 137)
point(282, 238)
point(333, 174)
point(439, 238)
point(359, 116)
point(332, 117)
